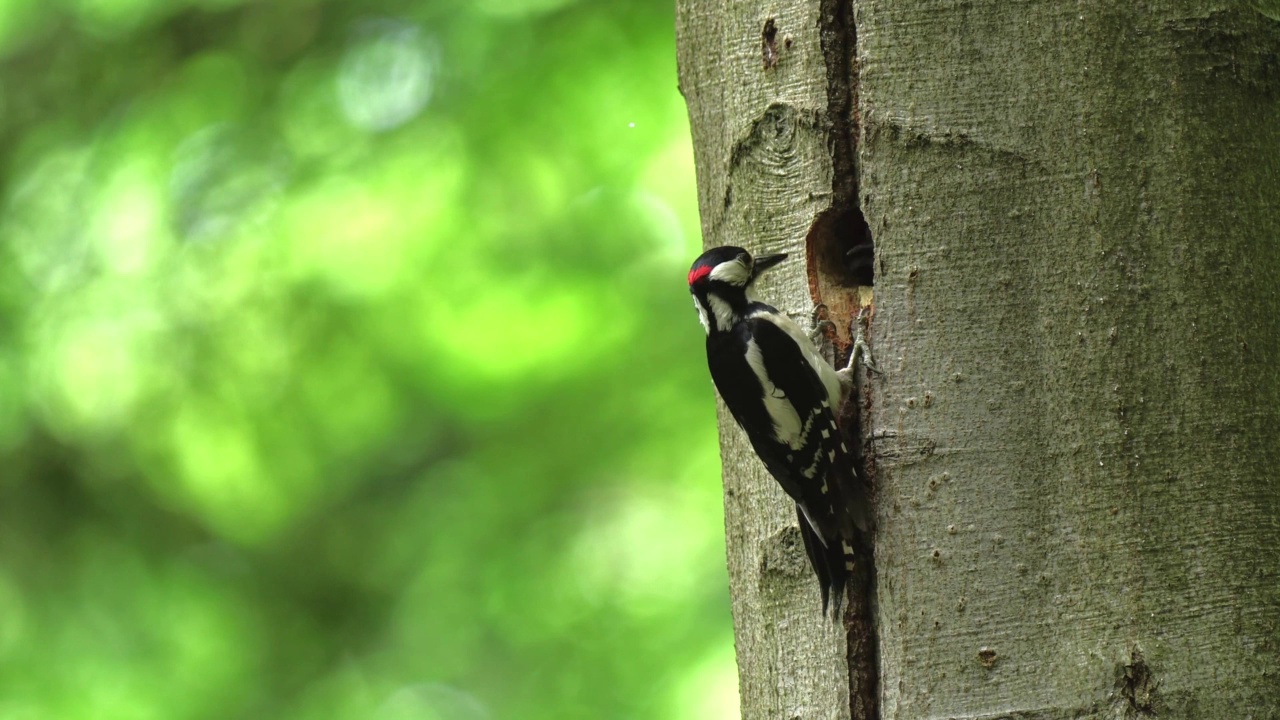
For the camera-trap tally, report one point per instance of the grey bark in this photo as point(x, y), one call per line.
point(1077, 215)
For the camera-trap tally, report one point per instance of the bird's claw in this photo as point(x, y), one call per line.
point(857, 329)
point(823, 333)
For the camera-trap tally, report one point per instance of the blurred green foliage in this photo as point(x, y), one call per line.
point(345, 365)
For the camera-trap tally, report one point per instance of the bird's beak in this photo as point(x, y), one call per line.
point(764, 263)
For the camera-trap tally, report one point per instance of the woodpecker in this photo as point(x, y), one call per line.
point(785, 398)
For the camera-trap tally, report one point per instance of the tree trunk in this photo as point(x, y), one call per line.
point(769, 94)
point(1076, 210)
point(1077, 216)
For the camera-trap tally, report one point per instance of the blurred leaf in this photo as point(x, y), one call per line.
point(345, 366)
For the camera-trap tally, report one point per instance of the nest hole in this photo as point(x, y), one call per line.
point(841, 249)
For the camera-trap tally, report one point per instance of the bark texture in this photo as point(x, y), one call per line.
point(1076, 208)
point(765, 82)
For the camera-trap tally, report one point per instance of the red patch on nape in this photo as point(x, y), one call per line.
point(698, 273)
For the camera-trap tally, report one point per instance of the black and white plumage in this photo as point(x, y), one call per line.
point(785, 397)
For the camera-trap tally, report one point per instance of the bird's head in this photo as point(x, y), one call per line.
point(720, 280)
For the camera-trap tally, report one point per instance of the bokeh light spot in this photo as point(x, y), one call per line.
point(387, 75)
point(668, 177)
point(43, 220)
point(91, 372)
point(222, 474)
point(126, 226)
point(223, 177)
point(432, 701)
point(108, 18)
point(642, 548)
point(543, 327)
point(709, 690)
point(521, 8)
point(17, 20)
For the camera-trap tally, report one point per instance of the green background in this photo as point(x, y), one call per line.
point(346, 367)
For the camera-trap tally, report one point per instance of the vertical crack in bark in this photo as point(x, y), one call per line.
point(838, 41)
point(842, 247)
point(840, 260)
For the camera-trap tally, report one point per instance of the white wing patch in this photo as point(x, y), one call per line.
point(826, 373)
point(787, 427)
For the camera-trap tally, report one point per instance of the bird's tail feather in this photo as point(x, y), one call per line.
point(831, 563)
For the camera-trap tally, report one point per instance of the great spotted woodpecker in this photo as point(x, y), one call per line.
point(785, 398)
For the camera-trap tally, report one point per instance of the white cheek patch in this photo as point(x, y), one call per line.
point(732, 272)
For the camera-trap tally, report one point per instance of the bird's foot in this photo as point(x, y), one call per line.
point(858, 329)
